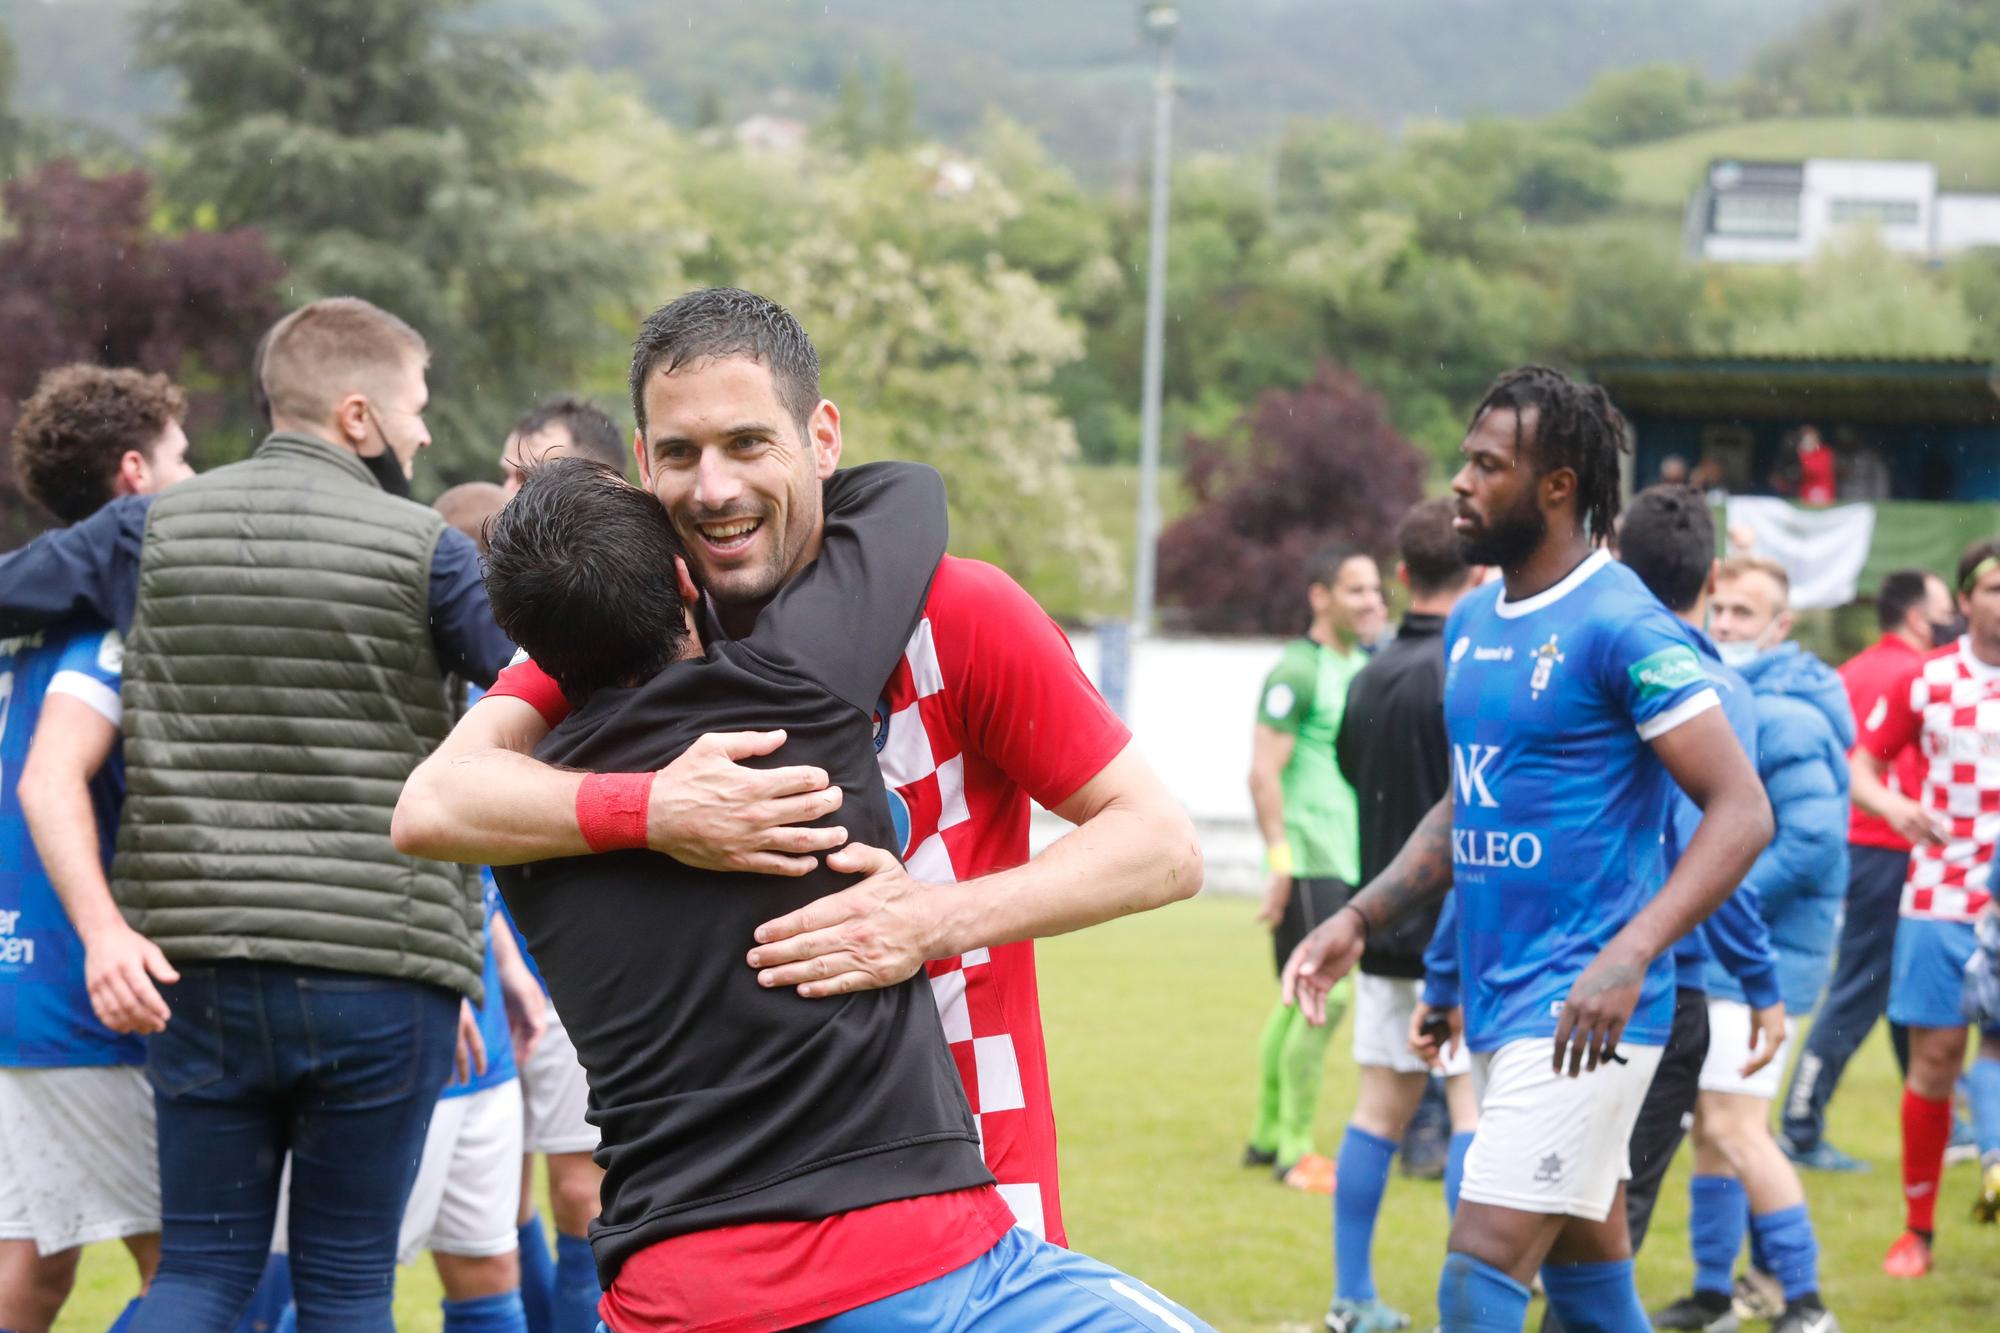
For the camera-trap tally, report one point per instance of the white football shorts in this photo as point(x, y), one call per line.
point(1382, 1009)
point(468, 1188)
point(557, 1094)
point(1548, 1143)
point(79, 1156)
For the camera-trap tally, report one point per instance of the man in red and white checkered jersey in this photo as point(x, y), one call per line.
point(1950, 708)
point(986, 712)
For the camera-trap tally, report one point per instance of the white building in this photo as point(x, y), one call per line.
point(1786, 212)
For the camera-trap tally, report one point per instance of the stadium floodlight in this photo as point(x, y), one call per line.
point(1159, 19)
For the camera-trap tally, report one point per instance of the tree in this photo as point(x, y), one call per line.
point(10, 127)
point(1312, 466)
point(899, 108)
point(1636, 105)
point(1863, 300)
point(82, 278)
point(381, 145)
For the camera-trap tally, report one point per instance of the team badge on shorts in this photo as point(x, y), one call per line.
point(1550, 1172)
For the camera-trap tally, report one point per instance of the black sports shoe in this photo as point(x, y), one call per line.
point(1703, 1311)
point(1801, 1319)
point(1255, 1156)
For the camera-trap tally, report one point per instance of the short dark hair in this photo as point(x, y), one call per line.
point(1323, 570)
point(722, 322)
point(1900, 591)
point(595, 434)
point(81, 420)
point(1428, 546)
point(580, 571)
point(1977, 554)
point(1576, 427)
point(1667, 538)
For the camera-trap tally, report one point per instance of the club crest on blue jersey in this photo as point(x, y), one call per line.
point(1547, 658)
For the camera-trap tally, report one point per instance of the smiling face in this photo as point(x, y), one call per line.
point(1748, 608)
point(1497, 496)
point(737, 476)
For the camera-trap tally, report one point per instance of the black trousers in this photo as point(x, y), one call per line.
point(1312, 901)
point(1663, 1120)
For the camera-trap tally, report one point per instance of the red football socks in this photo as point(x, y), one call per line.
point(1926, 1131)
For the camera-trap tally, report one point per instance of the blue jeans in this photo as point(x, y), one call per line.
point(1856, 995)
point(338, 1069)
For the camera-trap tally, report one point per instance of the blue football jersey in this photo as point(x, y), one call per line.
point(45, 1015)
point(493, 1028)
point(1559, 806)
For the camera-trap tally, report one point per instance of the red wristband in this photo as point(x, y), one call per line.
point(611, 810)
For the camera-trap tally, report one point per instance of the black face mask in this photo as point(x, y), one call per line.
point(388, 471)
point(1947, 633)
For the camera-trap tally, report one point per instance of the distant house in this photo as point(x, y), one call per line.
point(1786, 212)
point(771, 134)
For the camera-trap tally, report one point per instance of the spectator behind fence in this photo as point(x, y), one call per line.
point(289, 630)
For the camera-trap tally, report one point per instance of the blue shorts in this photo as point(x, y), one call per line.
point(1022, 1283)
point(1928, 979)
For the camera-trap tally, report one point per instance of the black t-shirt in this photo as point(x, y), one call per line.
point(1392, 750)
point(720, 1101)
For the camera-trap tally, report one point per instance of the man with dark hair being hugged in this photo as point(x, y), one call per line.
point(723, 1103)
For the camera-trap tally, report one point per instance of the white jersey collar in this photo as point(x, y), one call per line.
point(1555, 592)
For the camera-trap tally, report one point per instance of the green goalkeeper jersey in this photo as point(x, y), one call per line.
point(1305, 696)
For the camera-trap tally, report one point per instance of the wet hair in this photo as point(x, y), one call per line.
point(1429, 548)
point(580, 571)
point(1576, 427)
point(80, 422)
point(1901, 592)
point(1667, 538)
point(594, 433)
point(1977, 554)
point(717, 322)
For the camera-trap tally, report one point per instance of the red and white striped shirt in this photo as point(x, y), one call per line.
point(1951, 710)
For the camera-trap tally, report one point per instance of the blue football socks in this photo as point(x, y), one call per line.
point(538, 1276)
point(1719, 1214)
point(1475, 1297)
point(577, 1292)
point(1791, 1251)
point(499, 1313)
point(1984, 1085)
point(1596, 1298)
point(1454, 1170)
point(1360, 1178)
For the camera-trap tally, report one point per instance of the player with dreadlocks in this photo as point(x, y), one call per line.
point(1574, 702)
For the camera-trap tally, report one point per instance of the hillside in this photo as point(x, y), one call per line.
point(1074, 72)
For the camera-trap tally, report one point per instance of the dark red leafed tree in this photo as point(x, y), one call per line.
point(1303, 468)
point(84, 277)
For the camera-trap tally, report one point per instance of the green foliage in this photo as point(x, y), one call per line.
point(10, 126)
point(382, 147)
point(1862, 300)
point(1630, 106)
point(1909, 57)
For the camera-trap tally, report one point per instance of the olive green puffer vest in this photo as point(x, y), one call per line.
point(280, 685)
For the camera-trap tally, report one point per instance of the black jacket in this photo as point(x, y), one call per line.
point(1392, 751)
point(719, 1101)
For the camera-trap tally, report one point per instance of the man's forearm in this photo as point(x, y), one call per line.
point(1267, 798)
point(1122, 860)
point(63, 824)
point(489, 807)
point(1865, 784)
point(1419, 876)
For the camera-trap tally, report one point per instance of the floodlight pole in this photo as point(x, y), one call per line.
point(1160, 18)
